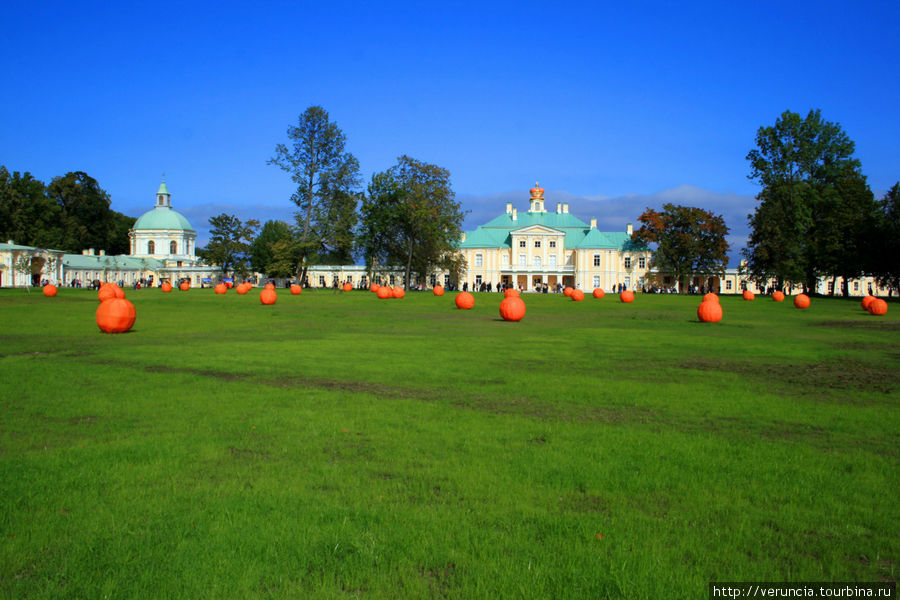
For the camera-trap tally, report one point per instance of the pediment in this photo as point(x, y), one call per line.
point(537, 230)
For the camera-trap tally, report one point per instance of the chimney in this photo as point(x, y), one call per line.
point(463, 236)
point(102, 253)
point(629, 229)
point(10, 242)
point(508, 207)
point(565, 208)
point(515, 214)
point(90, 251)
point(593, 223)
point(558, 207)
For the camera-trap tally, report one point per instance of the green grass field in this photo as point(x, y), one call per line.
point(338, 446)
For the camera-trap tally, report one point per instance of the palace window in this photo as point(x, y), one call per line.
point(151, 248)
point(642, 262)
point(596, 260)
point(432, 280)
point(537, 262)
point(627, 262)
point(628, 283)
point(173, 248)
point(596, 281)
point(504, 259)
point(391, 279)
point(855, 286)
point(553, 243)
point(537, 243)
point(523, 261)
point(321, 281)
point(728, 285)
point(830, 287)
point(522, 243)
point(551, 260)
point(446, 280)
point(478, 280)
point(479, 260)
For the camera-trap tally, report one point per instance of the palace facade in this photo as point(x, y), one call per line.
point(527, 250)
point(162, 249)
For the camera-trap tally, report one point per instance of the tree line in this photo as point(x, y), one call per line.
point(816, 216)
point(71, 213)
point(407, 218)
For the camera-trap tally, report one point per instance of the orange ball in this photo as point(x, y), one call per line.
point(398, 292)
point(599, 293)
point(801, 301)
point(748, 295)
point(867, 301)
point(221, 288)
point(49, 290)
point(166, 287)
point(296, 289)
point(577, 295)
point(627, 296)
point(348, 287)
point(778, 296)
point(185, 286)
point(512, 308)
point(115, 315)
point(384, 292)
point(710, 296)
point(878, 307)
point(568, 291)
point(438, 290)
point(511, 292)
point(709, 311)
point(268, 296)
point(464, 300)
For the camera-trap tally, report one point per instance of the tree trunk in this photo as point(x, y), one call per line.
point(409, 263)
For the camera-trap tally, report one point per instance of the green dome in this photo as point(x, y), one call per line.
point(163, 217)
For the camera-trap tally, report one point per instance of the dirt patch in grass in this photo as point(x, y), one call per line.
point(810, 379)
point(248, 454)
point(874, 324)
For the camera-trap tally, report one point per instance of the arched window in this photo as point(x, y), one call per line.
point(151, 248)
point(173, 247)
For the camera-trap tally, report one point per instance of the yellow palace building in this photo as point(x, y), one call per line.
point(528, 250)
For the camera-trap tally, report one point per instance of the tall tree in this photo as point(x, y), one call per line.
point(798, 163)
point(380, 229)
point(261, 248)
point(87, 218)
point(413, 220)
point(27, 215)
point(229, 243)
point(689, 241)
point(324, 173)
point(884, 250)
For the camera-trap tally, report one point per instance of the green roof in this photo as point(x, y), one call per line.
point(496, 232)
point(120, 262)
point(163, 217)
point(526, 219)
point(163, 189)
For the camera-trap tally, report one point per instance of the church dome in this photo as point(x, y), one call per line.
point(163, 217)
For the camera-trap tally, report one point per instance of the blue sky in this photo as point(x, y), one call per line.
point(613, 107)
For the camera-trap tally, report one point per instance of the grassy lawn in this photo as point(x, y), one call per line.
point(337, 445)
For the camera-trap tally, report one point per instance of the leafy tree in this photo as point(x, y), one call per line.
point(412, 219)
point(884, 251)
point(843, 222)
point(229, 243)
point(27, 215)
point(689, 241)
point(379, 229)
point(261, 248)
point(285, 256)
point(800, 164)
point(87, 219)
point(325, 176)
